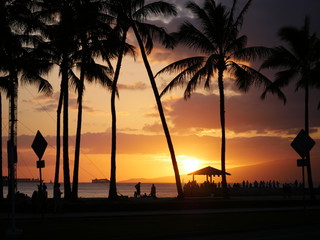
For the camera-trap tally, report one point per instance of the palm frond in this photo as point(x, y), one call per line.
point(236, 45)
point(283, 78)
point(274, 90)
point(239, 21)
point(181, 65)
point(203, 14)
point(187, 70)
point(43, 85)
point(158, 8)
point(280, 57)
point(4, 83)
point(231, 15)
point(150, 32)
point(74, 80)
point(247, 76)
point(196, 79)
point(252, 53)
point(100, 74)
point(211, 66)
point(244, 78)
point(192, 37)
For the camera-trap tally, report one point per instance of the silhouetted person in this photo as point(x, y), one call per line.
point(44, 196)
point(138, 192)
point(57, 197)
point(35, 200)
point(153, 191)
point(45, 193)
point(40, 198)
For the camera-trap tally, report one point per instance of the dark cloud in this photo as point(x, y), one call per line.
point(261, 22)
point(43, 103)
point(244, 113)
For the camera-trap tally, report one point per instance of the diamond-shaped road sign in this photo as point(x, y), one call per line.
point(302, 143)
point(39, 145)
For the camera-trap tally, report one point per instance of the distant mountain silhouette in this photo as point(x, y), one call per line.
point(168, 179)
point(285, 170)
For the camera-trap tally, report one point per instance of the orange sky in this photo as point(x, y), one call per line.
point(258, 132)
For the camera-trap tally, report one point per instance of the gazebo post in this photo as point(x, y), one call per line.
point(208, 171)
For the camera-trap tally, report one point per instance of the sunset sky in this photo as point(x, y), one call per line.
point(259, 132)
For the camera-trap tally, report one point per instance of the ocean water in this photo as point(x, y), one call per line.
point(101, 190)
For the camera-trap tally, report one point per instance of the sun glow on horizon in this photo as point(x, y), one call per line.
point(188, 164)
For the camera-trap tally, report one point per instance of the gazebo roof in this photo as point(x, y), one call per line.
point(209, 171)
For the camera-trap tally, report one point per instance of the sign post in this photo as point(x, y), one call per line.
point(302, 144)
point(39, 146)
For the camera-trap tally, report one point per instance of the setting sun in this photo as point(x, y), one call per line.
point(188, 164)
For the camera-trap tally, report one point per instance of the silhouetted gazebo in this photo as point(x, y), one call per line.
point(208, 171)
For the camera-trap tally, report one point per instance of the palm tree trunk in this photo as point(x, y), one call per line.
point(12, 145)
point(113, 183)
point(66, 171)
point(161, 113)
point(223, 135)
point(78, 140)
point(306, 115)
point(1, 180)
point(58, 142)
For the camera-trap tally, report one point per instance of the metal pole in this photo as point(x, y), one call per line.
point(40, 178)
point(13, 211)
point(304, 188)
point(13, 231)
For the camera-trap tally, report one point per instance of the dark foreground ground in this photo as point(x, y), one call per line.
point(251, 217)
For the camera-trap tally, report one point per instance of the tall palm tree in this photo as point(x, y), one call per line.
point(131, 15)
point(298, 62)
point(122, 50)
point(216, 36)
point(19, 59)
point(93, 35)
point(74, 32)
point(46, 12)
point(118, 35)
point(59, 18)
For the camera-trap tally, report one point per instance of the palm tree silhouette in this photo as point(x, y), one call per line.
point(47, 12)
point(298, 62)
point(130, 15)
point(20, 59)
point(92, 36)
point(59, 18)
point(217, 37)
point(118, 35)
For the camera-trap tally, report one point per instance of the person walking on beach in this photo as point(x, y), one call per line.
point(137, 193)
point(153, 191)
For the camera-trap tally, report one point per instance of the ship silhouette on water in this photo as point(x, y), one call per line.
point(101, 180)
